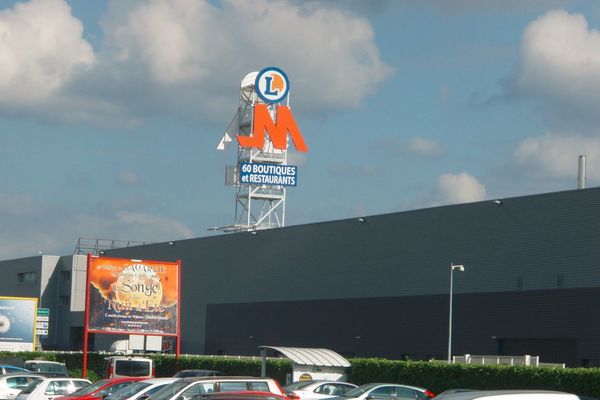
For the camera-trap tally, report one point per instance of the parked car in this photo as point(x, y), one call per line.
point(315, 390)
point(508, 395)
point(388, 390)
point(186, 388)
point(12, 384)
point(128, 366)
point(141, 389)
point(47, 368)
point(244, 395)
point(9, 369)
point(186, 373)
point(100, 389)
point(51, 388)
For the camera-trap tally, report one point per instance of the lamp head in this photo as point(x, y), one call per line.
point(459, 267)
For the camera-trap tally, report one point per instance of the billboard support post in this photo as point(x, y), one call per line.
point(86, 318)
point(178, 346)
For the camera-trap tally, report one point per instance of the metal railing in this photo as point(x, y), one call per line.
point(96, 246)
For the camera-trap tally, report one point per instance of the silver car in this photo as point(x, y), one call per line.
point(316, 390)
point(388, 391)
point(508, 395)
point(50, 388)
point(12, 384)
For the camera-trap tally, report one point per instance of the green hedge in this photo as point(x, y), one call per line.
point(435, 376)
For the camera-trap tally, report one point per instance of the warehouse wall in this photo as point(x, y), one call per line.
point(528, 244)
point(559, 325)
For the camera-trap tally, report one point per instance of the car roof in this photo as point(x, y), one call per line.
point(222, 378)
point(199, 370)
point(246, 394)
point(44, 362)
point(374, 385)
point(482, 394)
point(161, 380)
point(64, 378)
point(24, 373)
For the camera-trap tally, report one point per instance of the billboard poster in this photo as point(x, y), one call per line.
point(133, 296)
point(17, 323)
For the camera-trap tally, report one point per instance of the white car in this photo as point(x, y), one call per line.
point(50, 388)
point(141, 390)
point(12, 384)
point(508, 395)
point(316, 390)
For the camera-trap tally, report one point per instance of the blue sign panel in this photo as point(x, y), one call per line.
point(268, 174)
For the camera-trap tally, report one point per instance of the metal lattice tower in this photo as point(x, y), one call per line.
point(256, 206)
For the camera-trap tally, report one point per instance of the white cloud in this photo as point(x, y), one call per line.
point(129, 178)
point(145, 223)
point(180, 57)
point(458, 188)
point(29, 227)
point(560, 66)
point(42, 48)
point(15, 205)
point(556, 156)
point(344, 169)
point(424, 147)
point(201, 50)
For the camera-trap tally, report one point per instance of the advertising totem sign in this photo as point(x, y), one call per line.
point(132, 297)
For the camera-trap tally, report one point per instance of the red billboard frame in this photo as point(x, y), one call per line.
point(120, 271)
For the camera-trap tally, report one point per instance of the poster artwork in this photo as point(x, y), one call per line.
point(133, 296)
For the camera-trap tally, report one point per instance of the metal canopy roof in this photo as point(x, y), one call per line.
point(307, 356)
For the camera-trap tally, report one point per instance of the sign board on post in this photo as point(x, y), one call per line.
point(42, 321)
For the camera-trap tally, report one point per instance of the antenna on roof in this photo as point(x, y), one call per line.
point(581, 173)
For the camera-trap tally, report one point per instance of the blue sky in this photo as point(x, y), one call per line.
point(110, 111)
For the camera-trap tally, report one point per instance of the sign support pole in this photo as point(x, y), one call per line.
point(178, 346)
point(86, 318)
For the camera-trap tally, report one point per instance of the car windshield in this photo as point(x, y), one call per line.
point(360, 390)
point(89, 389)
point(31, 387)
point(168, 391)
point(128, 391)
point(298, 385)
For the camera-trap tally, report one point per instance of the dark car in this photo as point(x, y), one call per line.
point(51, 369)
point(186, 373)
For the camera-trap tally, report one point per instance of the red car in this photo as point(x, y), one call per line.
point(99, 390)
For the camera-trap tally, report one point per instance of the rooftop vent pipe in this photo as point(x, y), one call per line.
point(581, 173)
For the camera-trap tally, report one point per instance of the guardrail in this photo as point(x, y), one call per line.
point(528, 360)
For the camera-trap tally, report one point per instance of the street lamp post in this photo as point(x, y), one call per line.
point(460, 268)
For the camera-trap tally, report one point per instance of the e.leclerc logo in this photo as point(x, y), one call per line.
point(272, 85)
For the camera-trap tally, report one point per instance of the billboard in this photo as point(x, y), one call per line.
point(133, 296)
point(17, 323)
point(268, 174)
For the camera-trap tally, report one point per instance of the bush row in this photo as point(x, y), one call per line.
point(438, 376)
point(435, 376)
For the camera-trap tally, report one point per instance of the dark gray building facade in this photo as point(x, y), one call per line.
point(379, 285)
